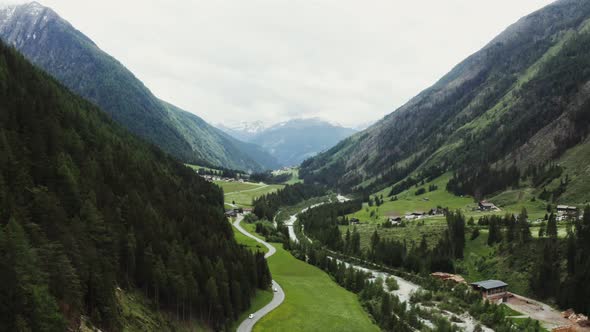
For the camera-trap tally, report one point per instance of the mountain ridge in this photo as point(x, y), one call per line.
point(293, 141)
point(487, 107)
point(55, 45)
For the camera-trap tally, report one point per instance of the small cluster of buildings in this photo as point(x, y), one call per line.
point(396, 219)
point(212, 178)
point(234, 212)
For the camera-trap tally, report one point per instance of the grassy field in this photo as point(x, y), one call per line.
point(432, 228)
point(243, 193)
point(313, 302)
point(294, 175)
point(246, 241)
point(511, 201)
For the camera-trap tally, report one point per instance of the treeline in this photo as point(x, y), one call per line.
point(387, 310)
point(509, 228)
point(423, 177)
point(567, 282)
point(574, 291)
point(269, 178)
point(266, 206)
point(482, 180)
point(223, 172)
point(321, 224)
point(86, 207)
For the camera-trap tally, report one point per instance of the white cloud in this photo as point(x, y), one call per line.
point(270, 60)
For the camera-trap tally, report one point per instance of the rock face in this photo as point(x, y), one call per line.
point(57, 47)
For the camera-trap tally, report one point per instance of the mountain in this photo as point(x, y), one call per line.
point(88, 211)
point(294, 141)
point(513, 107)
point(244, 130)
point(56, 46)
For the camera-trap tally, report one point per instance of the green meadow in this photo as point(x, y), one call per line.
point(313, 302)
point(244, 193)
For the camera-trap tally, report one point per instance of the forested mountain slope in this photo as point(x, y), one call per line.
point(519, 102)
point(86, 207)
point(53, 44)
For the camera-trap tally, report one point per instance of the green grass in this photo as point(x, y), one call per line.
point(294, 175)
point(408, 202)
point(246, 241)
point(576, 163)
point(433, 229)
point(314, 302)
point(244, 193)
point(512, 201)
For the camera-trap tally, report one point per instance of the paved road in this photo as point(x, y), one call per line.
point(278, 296)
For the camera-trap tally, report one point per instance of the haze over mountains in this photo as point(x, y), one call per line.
point(520, 101)
point(293, 141)
point(54, 45)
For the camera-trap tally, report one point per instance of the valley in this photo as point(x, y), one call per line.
point(465, 209)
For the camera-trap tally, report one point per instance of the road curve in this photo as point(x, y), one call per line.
point(278, 296)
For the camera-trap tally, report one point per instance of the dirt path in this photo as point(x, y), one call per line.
point(549, 317)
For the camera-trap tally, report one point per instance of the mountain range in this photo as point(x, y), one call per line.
point(293, 141)
point(521, 102)
point(56, 46)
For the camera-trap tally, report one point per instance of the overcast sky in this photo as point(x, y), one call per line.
point(345, 61)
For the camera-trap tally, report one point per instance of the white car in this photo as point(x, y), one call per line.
point(250, 316)
point(275, 290)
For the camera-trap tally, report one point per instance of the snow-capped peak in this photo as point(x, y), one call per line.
point(248, 127)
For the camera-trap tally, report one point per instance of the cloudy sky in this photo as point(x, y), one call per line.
point(345, 61)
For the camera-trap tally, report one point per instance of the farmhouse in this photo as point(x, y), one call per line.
point(231, 213)
point(491, 288)
point(395, 220)
point(486, 206)
point(565, 210)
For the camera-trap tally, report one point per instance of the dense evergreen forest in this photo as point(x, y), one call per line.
point(86, 207)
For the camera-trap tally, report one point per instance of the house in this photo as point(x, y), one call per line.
point(231, 213)
point(486, 206)
point(395, 220)
point(491, 288)
point(567, 211)
point(354, 221)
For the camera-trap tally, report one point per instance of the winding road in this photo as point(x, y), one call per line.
point(278, 296)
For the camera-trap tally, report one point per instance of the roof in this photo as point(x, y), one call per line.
point(489, 284)
point(486, 204)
